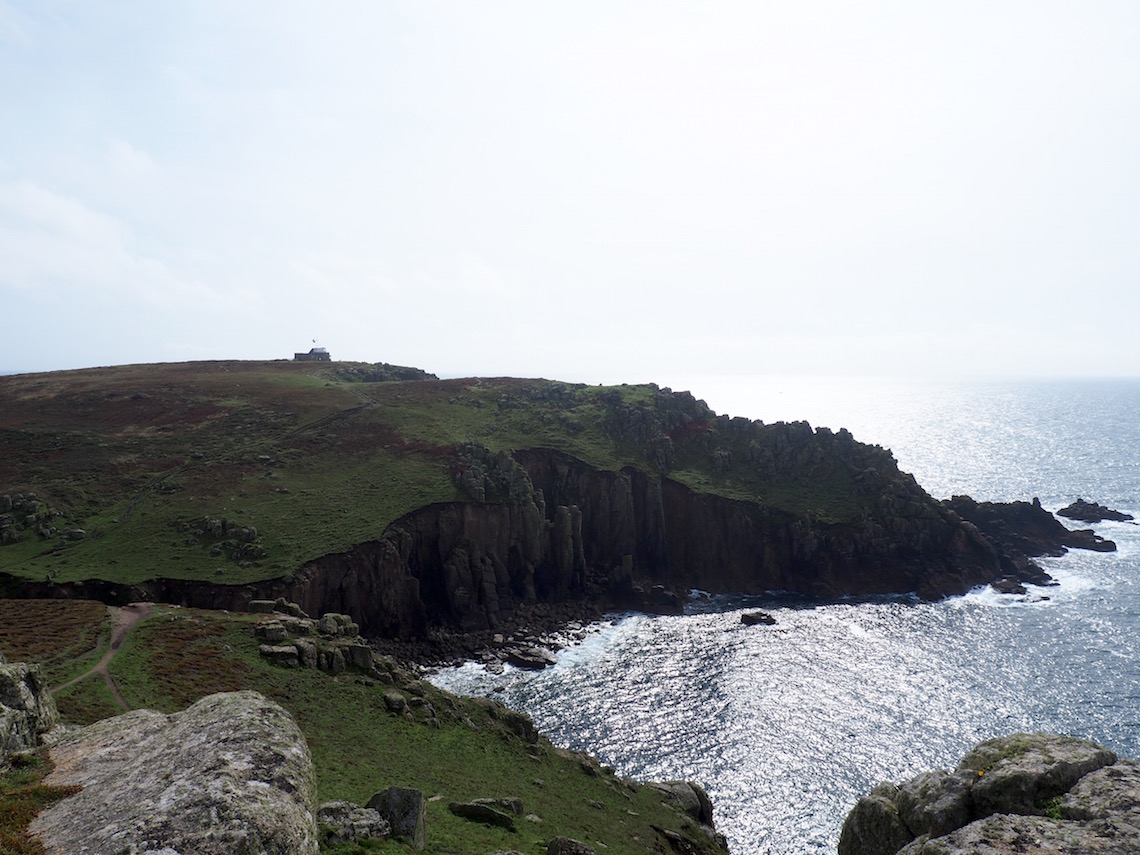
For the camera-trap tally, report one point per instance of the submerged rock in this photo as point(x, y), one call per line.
point(1029, 793)
point(231, 773)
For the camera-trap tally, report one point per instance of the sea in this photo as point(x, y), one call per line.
point(786, 726)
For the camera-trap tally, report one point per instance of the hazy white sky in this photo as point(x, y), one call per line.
point(591, 191)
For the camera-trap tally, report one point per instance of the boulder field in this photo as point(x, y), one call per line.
point(1026, 793)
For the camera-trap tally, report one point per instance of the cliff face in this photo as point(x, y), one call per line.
point(544, 528)
point(627, 497)
point(571, 531)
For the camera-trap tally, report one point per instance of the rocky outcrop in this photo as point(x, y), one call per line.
point(1031, 793)
point(405, 811)
point(231, 773)
point(544, 528)
point(27, 709)
point(1092, 512)
point(331, 644)
point(559, 530)
point(1022, 531)
point(228, 537)
point(345, 822)
point(24, 515)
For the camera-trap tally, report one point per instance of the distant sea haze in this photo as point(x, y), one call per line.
point(788, 725)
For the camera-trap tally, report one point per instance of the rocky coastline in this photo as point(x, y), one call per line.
point(483, 580)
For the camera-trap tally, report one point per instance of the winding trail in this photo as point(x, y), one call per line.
point(123, 620)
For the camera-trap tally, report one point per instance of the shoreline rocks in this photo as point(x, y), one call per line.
point(1019, 532)
point(1025, 792)
point(1092, 512)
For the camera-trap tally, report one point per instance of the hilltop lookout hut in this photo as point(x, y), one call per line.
point(317, 354)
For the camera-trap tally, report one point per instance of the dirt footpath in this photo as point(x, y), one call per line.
point(123, 620)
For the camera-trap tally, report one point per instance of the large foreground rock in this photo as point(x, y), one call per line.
point(1025, 793)
point(229, 774)
point(27, 710)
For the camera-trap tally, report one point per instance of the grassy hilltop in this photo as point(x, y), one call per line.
point(232, 472)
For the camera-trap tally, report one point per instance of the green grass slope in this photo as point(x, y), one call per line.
point(358, 743)
point(120, 472)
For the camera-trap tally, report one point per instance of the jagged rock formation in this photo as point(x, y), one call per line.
point(1025, 527)
point(27, 709)
point(1092, 512)
point(559, 529)
point(231, 773)
point(1028, 793)
point(1020, 532)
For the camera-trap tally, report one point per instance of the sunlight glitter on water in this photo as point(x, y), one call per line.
point(788, 725)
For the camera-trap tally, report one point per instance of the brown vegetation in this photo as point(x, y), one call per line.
point(50, 632)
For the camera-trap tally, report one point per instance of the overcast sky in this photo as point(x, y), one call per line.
point(590, 191)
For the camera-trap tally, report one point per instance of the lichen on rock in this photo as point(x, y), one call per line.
point(27, 709)
point(231, 773)
point(1030, 793)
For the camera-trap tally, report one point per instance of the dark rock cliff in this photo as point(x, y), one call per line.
point(545, 528)
point(691, 500)
point(626, 539)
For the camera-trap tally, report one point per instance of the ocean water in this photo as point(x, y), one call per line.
point(788, 725)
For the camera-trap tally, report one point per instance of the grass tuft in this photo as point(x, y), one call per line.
point(22, 797)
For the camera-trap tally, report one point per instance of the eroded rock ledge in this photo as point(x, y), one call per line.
point(1026, 793)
